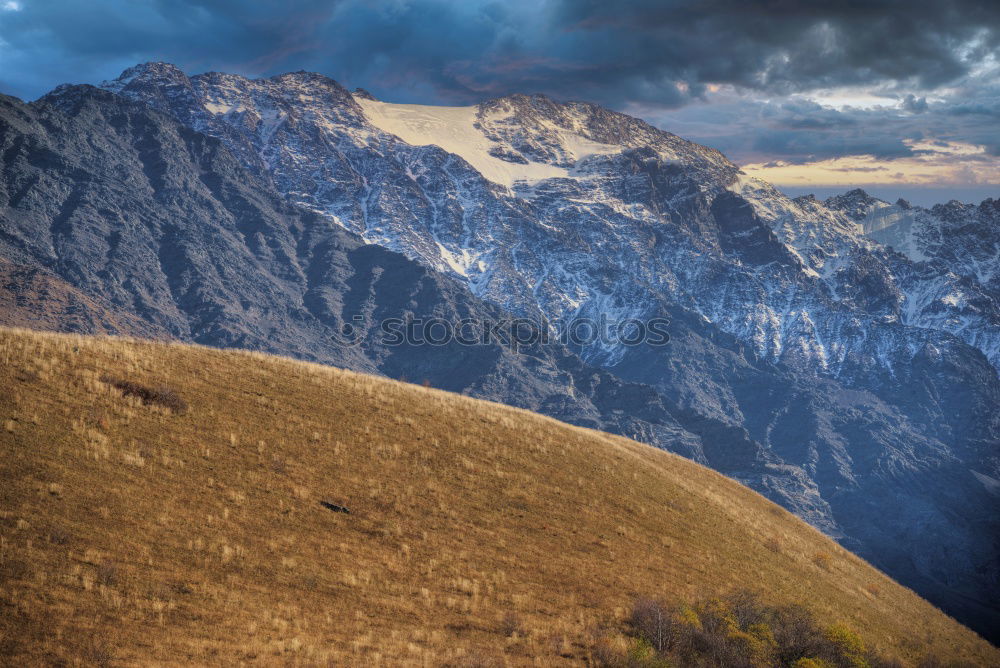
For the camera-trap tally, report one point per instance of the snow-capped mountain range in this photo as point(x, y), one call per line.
point(541, 206)
point(840, 356)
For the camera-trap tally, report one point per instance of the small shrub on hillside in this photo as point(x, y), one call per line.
point(823, 560)
point(28, 376)
point(160, 396)
point(642, 655)
point(107, 573)
point(96, 650)
point(738, 631)
point(511, 625)
point(812, 663)
point(848, 644)
point(59, 536)
point(654, 622)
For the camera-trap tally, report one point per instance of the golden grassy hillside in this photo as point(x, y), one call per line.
point(478, 534)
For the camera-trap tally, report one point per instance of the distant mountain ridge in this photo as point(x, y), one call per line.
point(961, 238)
point(798, 363)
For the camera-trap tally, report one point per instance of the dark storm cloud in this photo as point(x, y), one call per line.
point(660, 52)
point(665, 52)
point(787, 45)
point(46, 42)
point(915, 105)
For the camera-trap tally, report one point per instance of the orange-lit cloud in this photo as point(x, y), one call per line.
point(934, 163)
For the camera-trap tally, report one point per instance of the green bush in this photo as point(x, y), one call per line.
point(739, 631)
point(812, 663)
point(848, 644)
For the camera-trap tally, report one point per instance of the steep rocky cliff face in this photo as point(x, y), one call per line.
point(798, 362)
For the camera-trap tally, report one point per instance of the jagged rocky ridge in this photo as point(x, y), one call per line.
point(946, 260)
point(603, 175)
point(791, 368)
point(957, 237)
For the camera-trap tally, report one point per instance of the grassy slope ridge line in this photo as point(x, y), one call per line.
point(477, 533)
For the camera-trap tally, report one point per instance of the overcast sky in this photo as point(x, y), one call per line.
point(902, 98)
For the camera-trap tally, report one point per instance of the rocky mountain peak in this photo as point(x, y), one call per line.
point(308, 79)
point(952, 210)
point(540, 129)
point(153, 72)
point(855, 203)
point(854, 195)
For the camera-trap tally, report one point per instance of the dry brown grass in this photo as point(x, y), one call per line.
point(477, 535)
